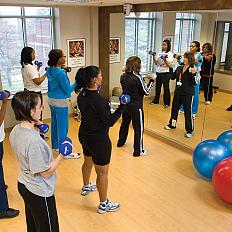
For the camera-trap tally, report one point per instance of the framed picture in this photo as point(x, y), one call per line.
point(114, 50)
point(76, 52)
point(171, 39)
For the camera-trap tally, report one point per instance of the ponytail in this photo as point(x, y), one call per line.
point(84, 76)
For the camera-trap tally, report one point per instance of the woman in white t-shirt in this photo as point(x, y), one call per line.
point(31, 77)
point(164, 62)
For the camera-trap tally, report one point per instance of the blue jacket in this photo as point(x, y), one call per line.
point(58, 84)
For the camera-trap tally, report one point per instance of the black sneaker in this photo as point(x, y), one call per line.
point(9, 213)
point(229, 108)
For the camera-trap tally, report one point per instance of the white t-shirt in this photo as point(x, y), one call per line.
point(2, 132)
point(161, 66)
point(29, 72)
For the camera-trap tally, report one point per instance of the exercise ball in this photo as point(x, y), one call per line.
point(207, 155)
point(226, 139)
point(222, 179)
point(117, 91)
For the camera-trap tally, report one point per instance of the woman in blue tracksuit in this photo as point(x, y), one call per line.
point(59, 91)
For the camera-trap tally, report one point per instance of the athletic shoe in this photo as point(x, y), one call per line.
point(166, 106)
point(188, 135)
point(180, 112)
point(73, 156)
point(87, 189)
point(153, 103)
point(207, 102)
point(229, 108)
point(169, 127)
point(9, 213)
point(108, 207)
point(194, 116)
point(143, 153)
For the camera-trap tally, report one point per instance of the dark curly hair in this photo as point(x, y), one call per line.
point(53, 57)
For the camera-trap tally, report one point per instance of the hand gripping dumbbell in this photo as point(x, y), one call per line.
point(66, 147)
point(124, 99)
point(38, 63)
point(4, 94)
point(43, 128)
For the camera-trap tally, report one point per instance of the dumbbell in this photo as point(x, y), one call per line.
point(152, 53)
point(38, 63)
point(43, 128)
point(4, 94)
point(66, 147)
point(124, 99)
point(66, 69)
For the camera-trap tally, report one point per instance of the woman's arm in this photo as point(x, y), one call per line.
point(54, 165)
point(39, 80)
point(154, 60)
point(65, 84)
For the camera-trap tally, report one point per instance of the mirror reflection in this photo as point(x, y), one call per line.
point(191, 99)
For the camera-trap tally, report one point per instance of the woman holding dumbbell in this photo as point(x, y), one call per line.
point(96, 119)
point(134, 85)
point(31, 76)
point(164, 62)
point(184, 93)
point(59, 91)
point(36, 181)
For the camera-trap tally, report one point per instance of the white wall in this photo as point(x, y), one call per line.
point(74, 22)
point(117, 29)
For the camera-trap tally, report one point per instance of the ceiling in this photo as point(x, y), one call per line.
point(78, 2)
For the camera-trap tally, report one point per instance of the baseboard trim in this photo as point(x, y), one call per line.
point(169, 141)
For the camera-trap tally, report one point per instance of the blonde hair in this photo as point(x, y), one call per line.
point(133, 64)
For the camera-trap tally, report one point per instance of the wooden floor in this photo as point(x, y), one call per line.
point(210, 122)
point(158, 193)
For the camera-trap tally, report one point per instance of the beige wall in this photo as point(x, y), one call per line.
point(70, 23)
point(117, 29)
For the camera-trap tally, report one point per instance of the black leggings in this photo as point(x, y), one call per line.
point(41, 214)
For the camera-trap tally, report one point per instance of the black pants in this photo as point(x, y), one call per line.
point(133, 112)
point(41, 97)
point(3, 195)
point(207, 86)
point(186, 101)
point(162, 78)
point(41, 214)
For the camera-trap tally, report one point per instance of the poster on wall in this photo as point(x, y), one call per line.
point(76, 52)
point(114, 50)
point(171, 39)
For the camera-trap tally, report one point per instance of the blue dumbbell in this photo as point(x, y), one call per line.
point(66, 147)
point(4, 94)
point(124, 99)
point(38, 63)
point(43, 128)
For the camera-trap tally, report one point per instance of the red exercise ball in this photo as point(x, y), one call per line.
point(222, 179)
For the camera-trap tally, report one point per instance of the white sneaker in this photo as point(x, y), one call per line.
point(143, 153)
point(87, 189)
point(188, 135)
point(194, 116)
point(108, 207)
point(73, 156)
point(207, 102)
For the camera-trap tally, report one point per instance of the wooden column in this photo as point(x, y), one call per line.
point(104, 37)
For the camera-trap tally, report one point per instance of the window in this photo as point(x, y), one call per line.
point(225, 42)
point(139, 38)
point(22, 26)
point(183, 32)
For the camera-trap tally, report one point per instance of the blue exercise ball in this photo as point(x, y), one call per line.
point(226, 139)
point(207, 155)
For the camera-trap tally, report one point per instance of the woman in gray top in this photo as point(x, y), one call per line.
point(36, 181)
